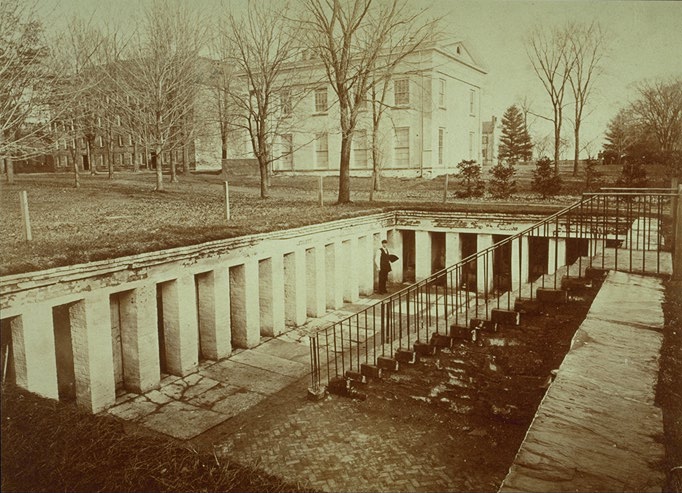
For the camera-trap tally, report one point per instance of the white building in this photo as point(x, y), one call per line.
point(433, 120)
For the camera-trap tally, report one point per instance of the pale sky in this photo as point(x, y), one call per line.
point(644, 40)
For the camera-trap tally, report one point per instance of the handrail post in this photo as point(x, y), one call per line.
point(677, 236)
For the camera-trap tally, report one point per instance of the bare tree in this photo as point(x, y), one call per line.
point(78, 53)
point(156, 78)
point(25, 83)
point(400, 43)
point(586, 52)
point(356, 41)
point(220, 85)
point(659, 111)
point(549, 52)
point(262, 44)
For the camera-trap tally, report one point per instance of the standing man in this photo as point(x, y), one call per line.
point(383, 263)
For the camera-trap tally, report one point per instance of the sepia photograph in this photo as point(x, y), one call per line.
point(341, 246)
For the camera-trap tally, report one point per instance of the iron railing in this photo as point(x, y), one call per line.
point(615, 228)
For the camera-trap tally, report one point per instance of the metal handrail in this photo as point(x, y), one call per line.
point(594, 219)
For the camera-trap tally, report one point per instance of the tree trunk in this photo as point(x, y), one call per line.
point(136, 165)
point(159, 169)
point(88, 153)
point(10, 170)
point(173, 170)
point(576, 154)
point(110, 161)
point(185, 160)
point(557, 145)
point(264, 190)
point(344, 169)
point(76, 176)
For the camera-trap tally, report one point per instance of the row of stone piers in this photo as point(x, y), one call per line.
point(86, 332)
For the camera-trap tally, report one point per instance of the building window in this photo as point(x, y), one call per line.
point(472, 102)
point(402, 147)
point(360, 149)
point(441, 93)
point(441, 144)
point(120, 141)
point(100, 141)
point(285, 101)
point(321, 150)
point(472, 139)
point(321, 100)
point(287, 159)
point(401, 92)
point(485, 140)
point(130, 139)
point(118, 120)
point(484, 153)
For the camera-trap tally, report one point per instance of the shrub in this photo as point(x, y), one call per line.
point(632, 175)
point(546, 180)
point(502, 184)
point(470, 179)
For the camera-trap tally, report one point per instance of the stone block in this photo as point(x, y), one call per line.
point(458, 332)
point(528, 306)
point(386, 363)
point(505, 317)
point(370, 371)
point(483, 324)
point(406, 356)
point(424, 349)
point(338, 386)
point(595, 273)
point(441, 340)
point(553, 296)
point(575, 283)
point(355, 376)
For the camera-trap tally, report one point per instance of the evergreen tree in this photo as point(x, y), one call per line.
point(546, 180)
point(502, 183)
point(470, 180)
point(515, 143)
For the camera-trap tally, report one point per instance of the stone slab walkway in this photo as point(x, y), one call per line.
point(598, 428)
point(185, 407)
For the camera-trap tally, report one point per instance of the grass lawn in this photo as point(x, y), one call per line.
point(112, 218)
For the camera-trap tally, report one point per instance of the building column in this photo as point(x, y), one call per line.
point(556, 255)
point(395, 246)
point(520, 264)
point(294, 288)
point(422, 255)
point(453, 249)
point(484, 264)
point(334, 275)
point(33, 345)
point(349, 258)
point(92, 355)
point(365, 261)
point(244, 310)
point(180, 325)
point(215, 333)
point(140, 339)
point(316, 290)
point(271, 294)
